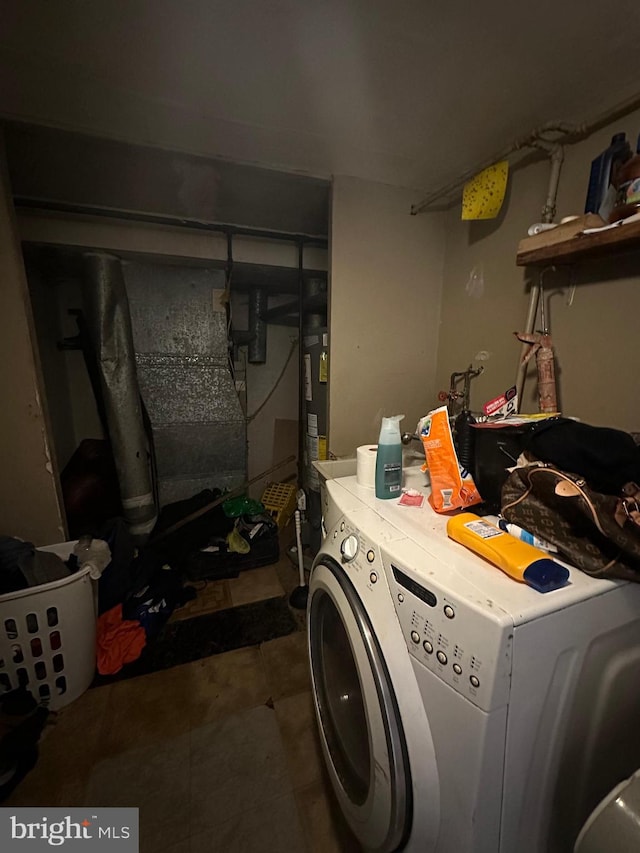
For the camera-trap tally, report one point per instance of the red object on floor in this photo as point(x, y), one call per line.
point(119, 641)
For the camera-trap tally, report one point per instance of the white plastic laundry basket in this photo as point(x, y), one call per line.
point(48, 636)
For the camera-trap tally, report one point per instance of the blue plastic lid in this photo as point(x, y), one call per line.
point(545, 575)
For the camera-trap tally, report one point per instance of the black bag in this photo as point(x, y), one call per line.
point(497, 448)
point(593, 531)
point(607, 458)
point(260, 531)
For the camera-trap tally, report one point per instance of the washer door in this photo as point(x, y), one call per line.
point(360, 725)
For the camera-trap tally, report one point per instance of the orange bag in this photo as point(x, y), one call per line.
point(452, 487)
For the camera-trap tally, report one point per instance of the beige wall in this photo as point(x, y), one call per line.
point(29, 504)
point(386, 274)
point(60, 393)
point(594, 327)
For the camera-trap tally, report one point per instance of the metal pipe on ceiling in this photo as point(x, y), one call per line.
point(568, 135)
point(173, 221)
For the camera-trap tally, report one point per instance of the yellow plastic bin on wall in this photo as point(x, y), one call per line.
point(48, 636)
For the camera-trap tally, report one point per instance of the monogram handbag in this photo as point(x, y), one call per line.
point(598, 533)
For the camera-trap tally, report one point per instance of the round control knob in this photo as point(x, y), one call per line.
point(373, 577)
point(457, 669)
point(475, 682)
point(349, 548)
point(400, 597)
point(449, 612)
point(370, 556)
point(428, 647)
point(415, 637)
point(442, 658)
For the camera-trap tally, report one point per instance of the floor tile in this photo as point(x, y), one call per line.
point(149, 709)
point(177, 847)
point(255, 585)
point(225, 684)
point(251, 737)
point(325, 829)
point(154, 779)
point(71, 743)
point(210, 596)
point(164, 837)
point(297, 720)
point(136, 776)
point(50, 785)
point(237, 764)
point(287, 665)
point(272, 827)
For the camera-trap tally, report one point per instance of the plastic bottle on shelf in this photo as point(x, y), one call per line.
point(601, 191)
point(389, 459)
point(94, 553)
point(628, 188)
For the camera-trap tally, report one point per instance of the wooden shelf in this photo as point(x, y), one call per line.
point(580, 247)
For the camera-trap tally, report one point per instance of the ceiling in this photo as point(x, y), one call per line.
point(405, 92)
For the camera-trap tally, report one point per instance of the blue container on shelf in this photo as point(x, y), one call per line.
point(600, 199)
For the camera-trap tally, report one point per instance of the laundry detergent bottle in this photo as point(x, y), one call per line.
point(389, 459)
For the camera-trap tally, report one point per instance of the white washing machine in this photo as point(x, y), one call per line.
point(460, 710)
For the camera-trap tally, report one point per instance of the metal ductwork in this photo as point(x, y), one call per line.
point(182, 352)
point(109, 324)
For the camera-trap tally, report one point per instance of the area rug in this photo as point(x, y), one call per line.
point(192, 639)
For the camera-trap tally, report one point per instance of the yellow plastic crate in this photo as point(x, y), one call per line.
point(279, 500)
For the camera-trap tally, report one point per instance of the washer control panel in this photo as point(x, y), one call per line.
point(457, 638)
point(354, 543)
point(349, 547)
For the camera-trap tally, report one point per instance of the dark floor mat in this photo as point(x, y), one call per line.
point(192, 639)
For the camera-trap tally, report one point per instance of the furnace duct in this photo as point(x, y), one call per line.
point(109, 324)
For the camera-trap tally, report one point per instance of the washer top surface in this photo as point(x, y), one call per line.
point(462, 570)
